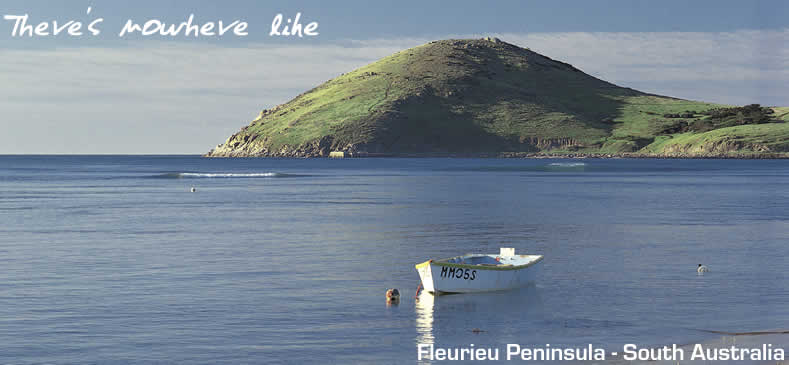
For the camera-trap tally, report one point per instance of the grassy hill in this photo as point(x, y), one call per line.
point(485, 96)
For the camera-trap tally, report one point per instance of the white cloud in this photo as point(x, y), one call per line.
point(743, 55)
point(186, 97)
point(153, 98)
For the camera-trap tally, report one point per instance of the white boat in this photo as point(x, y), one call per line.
point(473, 273)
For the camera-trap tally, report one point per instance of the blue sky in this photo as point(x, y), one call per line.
point(177, 95)
point(385, 19)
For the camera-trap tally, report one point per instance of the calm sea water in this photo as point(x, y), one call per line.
point(110, 259)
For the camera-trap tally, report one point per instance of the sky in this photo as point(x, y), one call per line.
point(135, 94)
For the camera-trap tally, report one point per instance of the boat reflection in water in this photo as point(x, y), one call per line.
point(424, 318)
point(485, 319)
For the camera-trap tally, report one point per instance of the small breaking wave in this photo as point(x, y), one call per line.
point(198, 175)
point(567, 164)
point(208, 174)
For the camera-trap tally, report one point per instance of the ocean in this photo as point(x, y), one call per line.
point(111, 259)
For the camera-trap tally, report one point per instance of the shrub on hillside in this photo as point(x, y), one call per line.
point(749, 114)
point(717, 118)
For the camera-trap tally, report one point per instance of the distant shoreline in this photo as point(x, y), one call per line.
point(472, 95)
point(532, 155)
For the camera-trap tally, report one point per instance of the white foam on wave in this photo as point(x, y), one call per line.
point(567, 164)
point(235, 174)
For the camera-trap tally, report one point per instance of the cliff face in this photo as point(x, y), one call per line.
point(466, 97)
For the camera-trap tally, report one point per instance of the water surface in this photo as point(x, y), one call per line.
point(110, 259)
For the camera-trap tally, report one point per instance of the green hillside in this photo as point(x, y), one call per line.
point(488, 96)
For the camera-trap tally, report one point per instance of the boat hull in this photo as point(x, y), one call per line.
point(441, 278)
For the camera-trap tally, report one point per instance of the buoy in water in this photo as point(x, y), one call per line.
point(193, 189)
point(702, 269)
point(392, 295)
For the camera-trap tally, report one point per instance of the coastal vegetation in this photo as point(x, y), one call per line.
point(488, 97)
